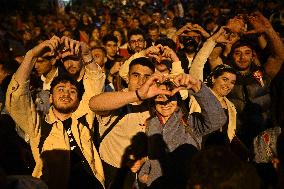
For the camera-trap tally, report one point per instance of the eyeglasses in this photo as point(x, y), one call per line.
point(136, 41)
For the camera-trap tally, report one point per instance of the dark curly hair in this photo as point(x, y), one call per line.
point(67, 79)
point(218, 71)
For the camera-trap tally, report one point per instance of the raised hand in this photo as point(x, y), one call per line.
point(115, 68)
point(198, 28)
point(168, 53)
point(85, 50)
point(154, 51)
point(160, 52)
point(236, 25)
point(259, 23)
point(185, 81)
point(180, 32)
point(222, 36)
point(70, 47)
point(150, 88)
point(192, 27)
point(46, 48)
point(184, 29)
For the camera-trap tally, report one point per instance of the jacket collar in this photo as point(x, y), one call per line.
point(50, 117)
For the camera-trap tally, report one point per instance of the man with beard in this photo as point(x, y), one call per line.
point(73, 66)
point(136, 42)
point(136, 45)
point(61, 141)
point(252, 94)
point(154, 33)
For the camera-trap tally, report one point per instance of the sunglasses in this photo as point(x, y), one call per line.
point(170, 99)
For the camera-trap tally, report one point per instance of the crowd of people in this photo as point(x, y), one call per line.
point(172, 94)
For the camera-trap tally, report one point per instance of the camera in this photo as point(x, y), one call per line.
point(188, 41)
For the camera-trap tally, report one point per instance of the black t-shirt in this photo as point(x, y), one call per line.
point(80, 171)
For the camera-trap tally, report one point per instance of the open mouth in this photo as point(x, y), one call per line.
point(65, 100)
point(166, 108)
point(72, 69)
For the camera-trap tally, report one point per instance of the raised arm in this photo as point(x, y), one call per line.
point(157, 52)
point(234, 28)
point(169, 53)
point(197, 66)
point(46, 48)
point(262, 25)
point(212, 115)
point(19, 103)
point(113, 100)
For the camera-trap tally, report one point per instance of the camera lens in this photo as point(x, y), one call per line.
point(187, 40)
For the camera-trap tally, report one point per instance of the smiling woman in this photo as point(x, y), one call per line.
point(174, 134)
point(165, 106)
point(221, 81)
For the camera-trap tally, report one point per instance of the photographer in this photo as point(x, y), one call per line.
point(189, 38)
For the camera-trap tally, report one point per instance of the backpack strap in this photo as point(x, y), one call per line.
point(96, 133)
point(44, 132)
point(83, 121)
point(122, 113)
point(46, 129)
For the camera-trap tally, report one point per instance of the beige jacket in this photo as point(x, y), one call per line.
point(22, 109)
